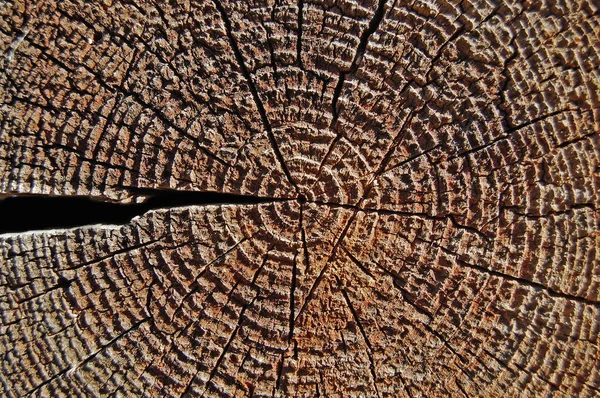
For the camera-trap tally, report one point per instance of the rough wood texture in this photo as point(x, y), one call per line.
point(429, 172)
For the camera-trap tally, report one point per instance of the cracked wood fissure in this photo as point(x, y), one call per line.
point(300, 198)
point(45, 212)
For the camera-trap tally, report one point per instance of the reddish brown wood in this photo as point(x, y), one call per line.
point(429, 171)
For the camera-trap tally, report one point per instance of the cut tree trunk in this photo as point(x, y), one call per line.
point(404, 198)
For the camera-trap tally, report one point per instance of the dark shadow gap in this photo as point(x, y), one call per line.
point(41, 212)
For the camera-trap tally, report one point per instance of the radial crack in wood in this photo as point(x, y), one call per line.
point(300, 198)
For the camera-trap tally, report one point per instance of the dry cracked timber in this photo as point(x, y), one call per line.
point(418, 183)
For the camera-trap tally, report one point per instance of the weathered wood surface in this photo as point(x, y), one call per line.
point(429, 171)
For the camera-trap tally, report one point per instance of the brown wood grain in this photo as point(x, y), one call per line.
point(428, 178)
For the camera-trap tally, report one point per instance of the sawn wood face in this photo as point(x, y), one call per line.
point(415, 210)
